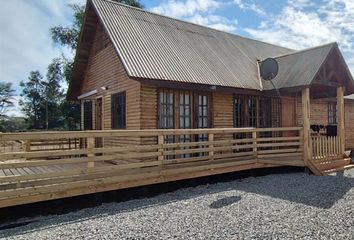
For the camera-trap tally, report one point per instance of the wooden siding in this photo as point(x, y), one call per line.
point(349, 124)
point(106, 70)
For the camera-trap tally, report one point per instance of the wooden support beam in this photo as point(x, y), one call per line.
point(340, 126)
point(306, 123)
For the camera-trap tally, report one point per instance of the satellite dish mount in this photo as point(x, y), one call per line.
point(269, 70)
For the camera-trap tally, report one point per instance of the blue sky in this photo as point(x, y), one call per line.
point(25, 43)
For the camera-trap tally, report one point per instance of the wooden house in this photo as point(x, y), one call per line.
point(164, 99)
point(139, 70)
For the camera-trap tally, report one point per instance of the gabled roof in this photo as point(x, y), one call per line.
point(152, 46)
point(299, 68)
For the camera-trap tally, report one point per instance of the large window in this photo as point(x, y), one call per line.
point(254, 111)
point(88, 115)
point(332, 113)
point(119, 110)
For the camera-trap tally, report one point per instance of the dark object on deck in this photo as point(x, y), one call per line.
point(331, 130)
point(316, 127)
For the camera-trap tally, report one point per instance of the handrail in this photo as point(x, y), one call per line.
point(52, 135)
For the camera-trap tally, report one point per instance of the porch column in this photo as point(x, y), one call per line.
point(340, 126)
point(306, 123)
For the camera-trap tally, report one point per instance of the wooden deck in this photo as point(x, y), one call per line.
point(131, 158)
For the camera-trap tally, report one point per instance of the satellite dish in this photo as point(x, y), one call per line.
point(269, 69)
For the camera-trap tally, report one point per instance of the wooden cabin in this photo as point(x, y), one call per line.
point(164, 99)
point(140, 70)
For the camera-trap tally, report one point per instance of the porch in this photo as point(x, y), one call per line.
point(30, 176)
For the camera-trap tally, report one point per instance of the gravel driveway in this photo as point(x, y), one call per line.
point(285, 206)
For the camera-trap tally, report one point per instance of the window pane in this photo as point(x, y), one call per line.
point(118, 110)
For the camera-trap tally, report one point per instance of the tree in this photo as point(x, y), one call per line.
point(33, 104)
point(6, 97)
point(53, 94)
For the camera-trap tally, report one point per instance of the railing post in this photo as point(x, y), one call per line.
point(28, 146)
point(211, 146)
point(90, 154)
point(340, 128)
point(254, 143)
point(306, 123)
point(160, 142)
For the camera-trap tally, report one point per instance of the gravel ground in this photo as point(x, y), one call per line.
point(286, 206)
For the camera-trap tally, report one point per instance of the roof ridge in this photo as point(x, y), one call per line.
point(195, 24)
point(306, 50)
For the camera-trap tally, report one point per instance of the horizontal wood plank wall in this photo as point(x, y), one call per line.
point(106, 70)
point(349, 123)
point(222, 114)
point(148, 105)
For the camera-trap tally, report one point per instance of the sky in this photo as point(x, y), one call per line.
point(26, 45)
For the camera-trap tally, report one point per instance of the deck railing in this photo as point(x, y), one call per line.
point(128, 158)
point(325, 147)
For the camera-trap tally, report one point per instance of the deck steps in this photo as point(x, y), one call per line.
point(339, 169)
point(330, 165)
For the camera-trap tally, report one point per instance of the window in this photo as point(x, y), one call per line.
point(265, 110)
point(332, 113)
point(184, 110)
point(184, 118)
point(252, 111)
point(202, 111)
point(202, 118)
point(166, 109)
point(238, 112)
point(118, 111)
point(88, 115)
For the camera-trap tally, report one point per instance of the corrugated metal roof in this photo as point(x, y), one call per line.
point(157, 47)
point(299, 68)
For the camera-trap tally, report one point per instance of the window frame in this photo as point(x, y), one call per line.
point(332, 116)
point(116, 97)
point(87, 118)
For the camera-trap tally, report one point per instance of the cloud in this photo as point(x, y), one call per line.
point(250, 7)
point(215, 21)
point(16, 109)
point(201, 12)
point(180, 9)
point(25, 42)
point(301, 25)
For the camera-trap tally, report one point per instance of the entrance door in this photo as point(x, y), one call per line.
point(288, 114)
point(98, 124)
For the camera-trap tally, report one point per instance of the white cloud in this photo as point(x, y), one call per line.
point(25, 42)
point(177, 9)
point(301, 25)
point(215, 21)
point(16, 109)
point(197, 11)
point(250, 7)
